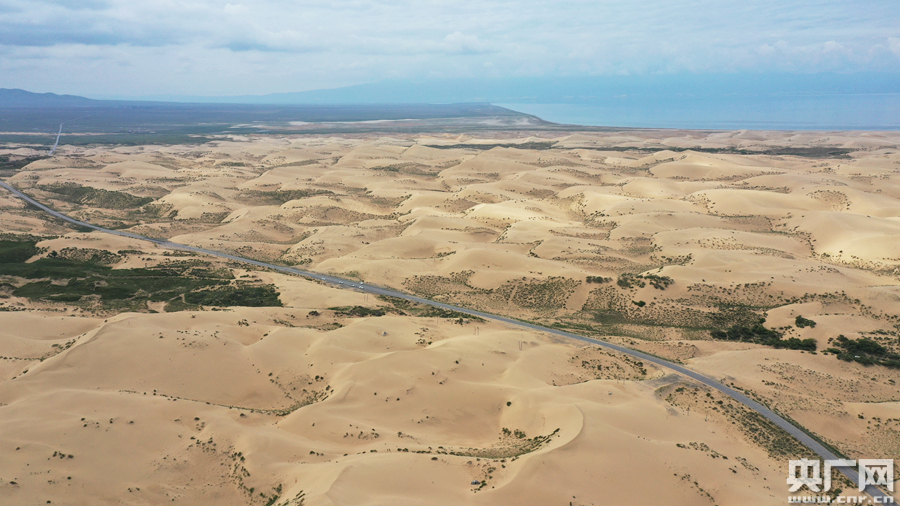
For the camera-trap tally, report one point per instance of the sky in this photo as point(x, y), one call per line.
point(128, 48)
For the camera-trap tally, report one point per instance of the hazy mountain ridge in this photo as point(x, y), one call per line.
point(14, 97)
point(569, 89)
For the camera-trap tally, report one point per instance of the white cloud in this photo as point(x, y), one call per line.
point(461, 43)
point(235, 9)
point(319, 44)
point(894, 44)
point(832, 47)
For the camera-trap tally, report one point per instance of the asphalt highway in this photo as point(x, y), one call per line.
point(809, 442)
point(56, 144)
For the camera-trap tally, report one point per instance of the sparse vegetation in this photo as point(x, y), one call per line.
point(96, 197)
point(512, 443)
point(755, 427)
point(436, 312)
point(12, 251)
point(802, 322)
point(403, 306)
point(278, 197)
point(547, 294)
point(628, 280)
point(864, 351)
point(75, 275)
point(761, 335)
point(9, 164)
point(357, 311)
point(484, 147)
point(252, 296)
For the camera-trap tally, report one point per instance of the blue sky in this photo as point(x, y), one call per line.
point(125, 48)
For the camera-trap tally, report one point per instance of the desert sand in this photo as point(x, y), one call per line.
point(308, 404)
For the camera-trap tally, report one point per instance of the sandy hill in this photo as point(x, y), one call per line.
point(229, 386)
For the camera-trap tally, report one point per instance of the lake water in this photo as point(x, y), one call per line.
point(772, 112)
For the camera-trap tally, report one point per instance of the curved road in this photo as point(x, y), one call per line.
point(804, 438)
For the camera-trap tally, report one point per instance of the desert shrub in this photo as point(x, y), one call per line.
point(761, 335)
point(71, 274)
point(65, 297)
point(864, 351)
point(249, 296)
point(279, 197)
point(357, 311)
point(92, 255)
point(436, 312)
point(97, 197)
point(17, 251)
point(802, 322)
point(863, 345)
point(628, 280)
point(550, 293)
point(51, 268)
point(11, 163)
point(659, 282)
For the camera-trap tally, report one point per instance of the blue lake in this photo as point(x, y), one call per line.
point(766, 112)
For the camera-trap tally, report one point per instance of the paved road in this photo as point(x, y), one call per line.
point(59, 134)
point(809, 442)
point(56, 144)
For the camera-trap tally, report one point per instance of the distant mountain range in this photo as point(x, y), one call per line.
point(23, 113)
point(517, 90)
point(867, 101)
point(22, 98)
point(576, 90)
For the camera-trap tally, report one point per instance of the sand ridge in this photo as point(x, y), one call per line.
point(340, 409)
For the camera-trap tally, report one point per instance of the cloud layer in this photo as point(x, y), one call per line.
point(122, 47)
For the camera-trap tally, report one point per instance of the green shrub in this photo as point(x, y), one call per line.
point(357, 311)
point(628, 280)
point(802, 322)
point(96, 197)
point(70, 274)
point(761, 335)
point(864, 351)
point(17, 251)
point(436, 312)
point(254, 296)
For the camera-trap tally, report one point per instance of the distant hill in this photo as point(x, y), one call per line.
point(29, 118)
point(21, 98)
point(603, 90)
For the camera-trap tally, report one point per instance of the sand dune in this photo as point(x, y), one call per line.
point(695, 166)
point(124, 386)
point(649, 239)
